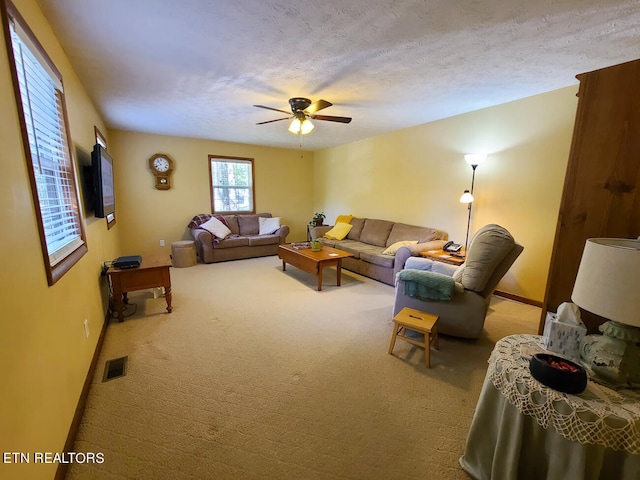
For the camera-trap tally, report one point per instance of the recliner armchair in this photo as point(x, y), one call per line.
point(490, 255)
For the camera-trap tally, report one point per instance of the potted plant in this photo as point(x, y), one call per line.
point(318, 219)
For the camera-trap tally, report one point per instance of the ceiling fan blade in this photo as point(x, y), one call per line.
point(271, 121)
point(329, 118)
point(315, 106)
point(274, 109)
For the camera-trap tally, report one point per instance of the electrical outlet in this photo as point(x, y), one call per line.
point(86, 327)
point(162, 243)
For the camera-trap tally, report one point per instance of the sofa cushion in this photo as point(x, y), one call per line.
point(249, 224)
point(232, 241)
point(358, 224)
point(356, 248)
point(232, 223)
point(376, 232)
point(216, 228)
point(489, 246)
point(263, 240)
point(339, 231)
point(329, 242)
point(402, 231)
point(378, 259)
point(267, 226)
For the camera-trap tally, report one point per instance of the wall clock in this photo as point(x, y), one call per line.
point(162, 166)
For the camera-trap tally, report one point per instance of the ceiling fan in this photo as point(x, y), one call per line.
point(302, 110)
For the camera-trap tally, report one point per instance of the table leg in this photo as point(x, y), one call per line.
point(284, 265)
point(427, 349)
point(167, 295)
point(393, 337)
point(320, 277)
point(339, 271)
point(118, 305)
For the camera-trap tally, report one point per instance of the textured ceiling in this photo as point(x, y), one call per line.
point(194, 68)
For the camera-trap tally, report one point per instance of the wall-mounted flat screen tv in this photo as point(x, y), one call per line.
point(104, 201)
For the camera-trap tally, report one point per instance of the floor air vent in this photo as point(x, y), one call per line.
point(115, 368)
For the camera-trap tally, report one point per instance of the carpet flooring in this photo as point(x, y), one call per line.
point(257, 375)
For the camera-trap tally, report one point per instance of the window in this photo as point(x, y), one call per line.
point(231, 184)
point(41, 108)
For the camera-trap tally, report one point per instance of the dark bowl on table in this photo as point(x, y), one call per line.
point(558, 373)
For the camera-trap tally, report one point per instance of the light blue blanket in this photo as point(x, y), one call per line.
point(427, 285)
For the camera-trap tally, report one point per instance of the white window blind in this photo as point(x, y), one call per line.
point(43, 106)
point(232, 185)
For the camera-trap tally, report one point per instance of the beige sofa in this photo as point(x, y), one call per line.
point(244, 241)
point(369, 238)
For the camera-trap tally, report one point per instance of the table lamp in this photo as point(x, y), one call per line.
point(608, 284)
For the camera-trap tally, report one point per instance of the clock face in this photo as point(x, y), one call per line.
point(161, 164)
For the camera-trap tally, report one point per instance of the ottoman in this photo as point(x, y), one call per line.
point(183, 254)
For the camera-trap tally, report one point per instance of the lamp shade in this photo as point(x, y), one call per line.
point(295, 126)
point(475, 159)
point(306, 126)
point(466, 197)
point(608, 279)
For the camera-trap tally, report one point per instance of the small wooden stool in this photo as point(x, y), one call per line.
point(422, 322)
point(183, 253)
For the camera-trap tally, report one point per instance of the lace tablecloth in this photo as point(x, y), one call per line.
point(598, 416)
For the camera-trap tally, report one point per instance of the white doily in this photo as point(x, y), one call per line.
point(598, 416)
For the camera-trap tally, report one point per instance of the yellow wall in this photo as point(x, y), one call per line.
point(145, 215)
point(417, 176)
point(43, 348)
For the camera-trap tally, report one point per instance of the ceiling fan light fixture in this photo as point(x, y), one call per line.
point(306, 127)
point(301, 126)
point(295, 126)
point(303, 110)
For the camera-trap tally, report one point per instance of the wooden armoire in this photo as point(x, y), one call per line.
point(601, 196)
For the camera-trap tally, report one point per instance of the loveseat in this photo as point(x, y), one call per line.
point(377, 245)
point(245, 236)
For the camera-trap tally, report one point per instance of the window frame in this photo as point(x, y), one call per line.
point(229, 159)
point(59, 266)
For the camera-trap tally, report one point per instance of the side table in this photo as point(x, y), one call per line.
point(152, 272)
point(442, 256)
point(522, 429)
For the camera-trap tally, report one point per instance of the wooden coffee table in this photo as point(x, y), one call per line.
point(313, 262)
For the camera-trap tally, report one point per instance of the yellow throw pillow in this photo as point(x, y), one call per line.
point(339, 231)
point(343, 219)
point(392, 249)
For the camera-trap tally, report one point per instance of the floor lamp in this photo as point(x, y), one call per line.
point(467, 197)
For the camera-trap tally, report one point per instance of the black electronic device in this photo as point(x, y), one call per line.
point(130, 261)
point(452, 247)
point(104, 202)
